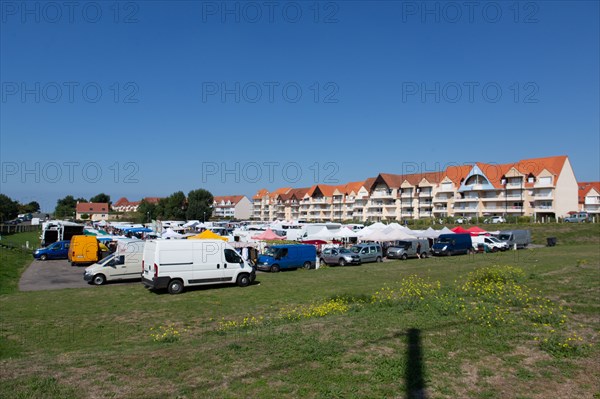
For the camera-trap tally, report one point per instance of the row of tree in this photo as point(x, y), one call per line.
point(10, 209)
point(196, 206)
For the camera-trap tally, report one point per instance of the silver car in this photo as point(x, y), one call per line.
point(368, 252)
point(339, 256)
point(409, 249)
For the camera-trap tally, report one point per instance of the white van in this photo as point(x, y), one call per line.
point(175, 264)
point(493, 243)
point(125, 263)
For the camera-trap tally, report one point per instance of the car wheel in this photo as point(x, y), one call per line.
point(379, 260)
point(175, 287)
point(322, 261)
point(307, 265)
point(44, 257)
point(243, 280)
point(99, 279)
point(404, 257)
point(424, 255)
point(274, 268)
point(342, 262)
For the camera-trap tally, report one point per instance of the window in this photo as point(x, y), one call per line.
point(373, 249)
point(447, 186)
point(232, 257)
point(545, 180)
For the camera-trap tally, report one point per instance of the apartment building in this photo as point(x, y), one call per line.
point(232, 206)
point(539, 187)
point(589, 198)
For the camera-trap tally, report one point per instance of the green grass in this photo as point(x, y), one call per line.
point(13, 262)
point(97, 342)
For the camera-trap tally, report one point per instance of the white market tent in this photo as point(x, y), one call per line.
point(170, 233)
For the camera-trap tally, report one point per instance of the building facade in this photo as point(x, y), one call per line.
point(95, 211)
point(541, 188)
point(589, 198)
point(232, 206)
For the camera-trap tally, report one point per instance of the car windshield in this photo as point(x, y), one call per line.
point(355, 249)
point(344, 251)
point(494, 239)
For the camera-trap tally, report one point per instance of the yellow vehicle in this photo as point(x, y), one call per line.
point(85, 250)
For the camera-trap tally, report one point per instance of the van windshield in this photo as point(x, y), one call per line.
point(504, 237)
point(445, 240)
point(494, 239)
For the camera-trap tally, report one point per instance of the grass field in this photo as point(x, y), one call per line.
point(519, 324)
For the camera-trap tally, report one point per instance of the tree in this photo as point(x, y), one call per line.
point(172, 207)
point(147, 210)
point(65, 207)
point(9, 209)
point(199, 205)
point(101, 198)
point(31, 207)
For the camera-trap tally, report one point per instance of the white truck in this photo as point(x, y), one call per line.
point(175, 264)
point(125, 263)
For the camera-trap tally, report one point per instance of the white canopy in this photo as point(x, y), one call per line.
point(169, 233)
point(345, 232)
point(323, 234)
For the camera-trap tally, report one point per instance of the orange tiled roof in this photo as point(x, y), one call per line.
point(92, 207)
point(261, 193)
point(585, 188)
point(234, 199)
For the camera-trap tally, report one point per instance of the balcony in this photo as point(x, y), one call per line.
point(406, 195)
point(467, 199)
point(425, 194)
point(382, 194)
point(592, 201)
point(543, 184)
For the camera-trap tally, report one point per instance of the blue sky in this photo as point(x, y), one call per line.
point(146, 98)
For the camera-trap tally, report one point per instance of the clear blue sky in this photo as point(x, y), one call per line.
point(385, 87)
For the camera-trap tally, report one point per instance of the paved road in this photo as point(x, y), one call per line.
point(55, 275)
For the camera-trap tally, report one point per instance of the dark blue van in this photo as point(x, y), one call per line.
point(58, 250)
point(278, 257)
point(452, 244)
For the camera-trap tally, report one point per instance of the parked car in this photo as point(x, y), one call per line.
point(522, 238)
point(463, 220)
point(57, 250)
point(124, 264)
point(339, 256)
point(495, 220)
point(580, 217)
point(368, 252)
point(453, 244)
point(176, 264)
point(408, 249)
point(289, 256)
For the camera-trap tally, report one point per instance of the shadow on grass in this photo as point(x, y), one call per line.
point(414, 381)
